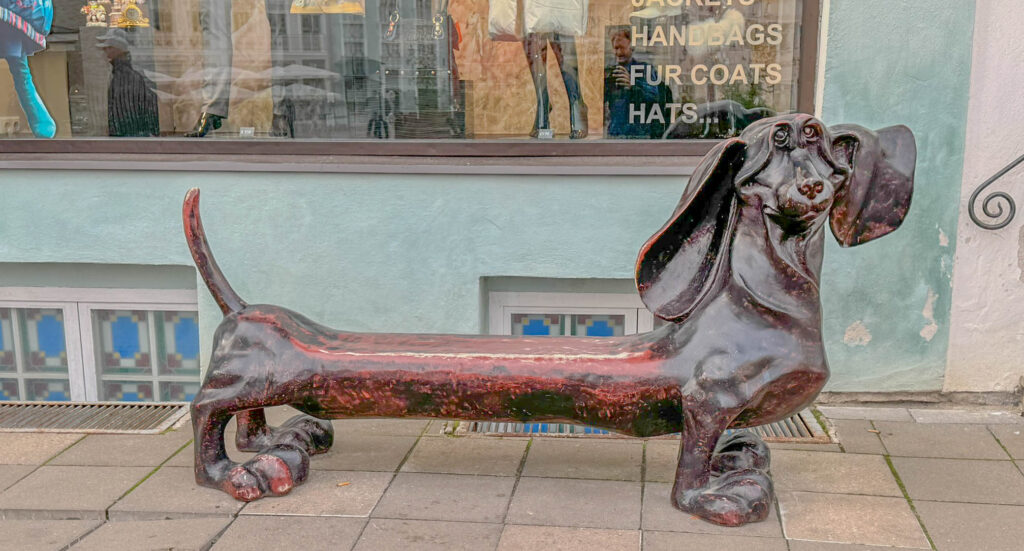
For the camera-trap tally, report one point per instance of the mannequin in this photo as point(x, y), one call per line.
point(564, 48)
point(554, 23)
point(215, 21)
point(24, 25)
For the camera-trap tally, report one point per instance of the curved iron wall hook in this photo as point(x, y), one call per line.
point(991, 205)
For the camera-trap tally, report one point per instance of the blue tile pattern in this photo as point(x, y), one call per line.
point(124, 332)
point(50, 335)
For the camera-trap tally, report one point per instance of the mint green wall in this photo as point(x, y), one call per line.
point(899, 62)
point(360, 252)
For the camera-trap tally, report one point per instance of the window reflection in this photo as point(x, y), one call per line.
point(396, 69)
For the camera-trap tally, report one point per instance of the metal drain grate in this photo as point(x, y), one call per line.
point(92, 417)
point(801, 428)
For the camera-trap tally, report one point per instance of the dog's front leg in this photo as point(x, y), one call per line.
point(732, 498)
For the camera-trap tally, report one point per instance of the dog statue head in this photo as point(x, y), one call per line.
point(787, 175)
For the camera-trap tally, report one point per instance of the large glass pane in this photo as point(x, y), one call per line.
point(47, 390)
point(126, 364)
point(8, 362)
point(43, 339)
point(126, 391)
point(400, 69)
point(589, 325)
point(178, 392)
point(9, 390)
point(122, 342)
point(180, 343)
point(543, 325)
point(33, 355)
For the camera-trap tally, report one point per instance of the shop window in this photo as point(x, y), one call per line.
point(464, 69)
point(568, 314)
point(99, 345)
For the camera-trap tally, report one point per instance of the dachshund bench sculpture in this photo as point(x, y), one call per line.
point(735, 269)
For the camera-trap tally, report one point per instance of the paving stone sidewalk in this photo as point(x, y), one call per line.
point(897, 478)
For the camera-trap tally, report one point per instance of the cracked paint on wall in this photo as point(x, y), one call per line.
point(929, 330)
point(857, 334)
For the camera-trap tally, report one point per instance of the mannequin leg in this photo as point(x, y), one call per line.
point(564, 48)
point(536, 47)
point(215, 21)
point(39, 119)
point(282, 124)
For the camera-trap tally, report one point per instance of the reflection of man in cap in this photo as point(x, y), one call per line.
point(132, 108)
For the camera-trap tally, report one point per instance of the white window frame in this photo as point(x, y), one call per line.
point(501, 306)
point(78, 305)
point(76, 375)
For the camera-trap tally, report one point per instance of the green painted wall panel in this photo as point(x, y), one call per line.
point(887, 303)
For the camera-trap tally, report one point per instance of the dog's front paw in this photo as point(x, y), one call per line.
point(733, 499)
point(740, 450)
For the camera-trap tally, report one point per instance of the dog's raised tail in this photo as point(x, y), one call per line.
point(226, 297)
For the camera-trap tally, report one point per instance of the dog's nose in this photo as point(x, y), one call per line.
point(811, 188)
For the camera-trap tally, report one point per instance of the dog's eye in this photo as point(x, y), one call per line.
point(811, 132)
point(781, 137)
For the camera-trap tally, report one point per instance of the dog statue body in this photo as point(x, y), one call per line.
point(735, 270)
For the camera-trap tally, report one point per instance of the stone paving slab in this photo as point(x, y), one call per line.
point(282, 533)
point(29, 448)
point(126, 450)
point(354, 451)
point(660, 515)
point(858, 436)
point(834, 473)
point(582, 458)
point(675, 541)
point(69, 493)
point(428, 496)
point(10, 474)
point(960, 416)
point(153, 534)
point(517, 537)
point(866, 413)
point(579, 503)
point(43, 535)
point(184, 458)
point(1011, 437)
point(172, 492)
point(945, 441)
point(842, 518)
point(963, 480)
point(321, 495)
point(661, 459)
point(484, 456)
point(427, 535)
point(973, 527)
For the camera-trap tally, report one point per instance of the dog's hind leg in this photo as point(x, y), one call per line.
point(253, 433)
point(284, 462)
point(733, 498)
point(212, 465)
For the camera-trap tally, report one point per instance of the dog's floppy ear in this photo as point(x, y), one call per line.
point(680, 263)
point(876, 196)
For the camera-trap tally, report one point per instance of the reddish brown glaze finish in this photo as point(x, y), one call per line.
point(735, 269)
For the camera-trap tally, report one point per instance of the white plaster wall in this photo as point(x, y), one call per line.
point(986, 348)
